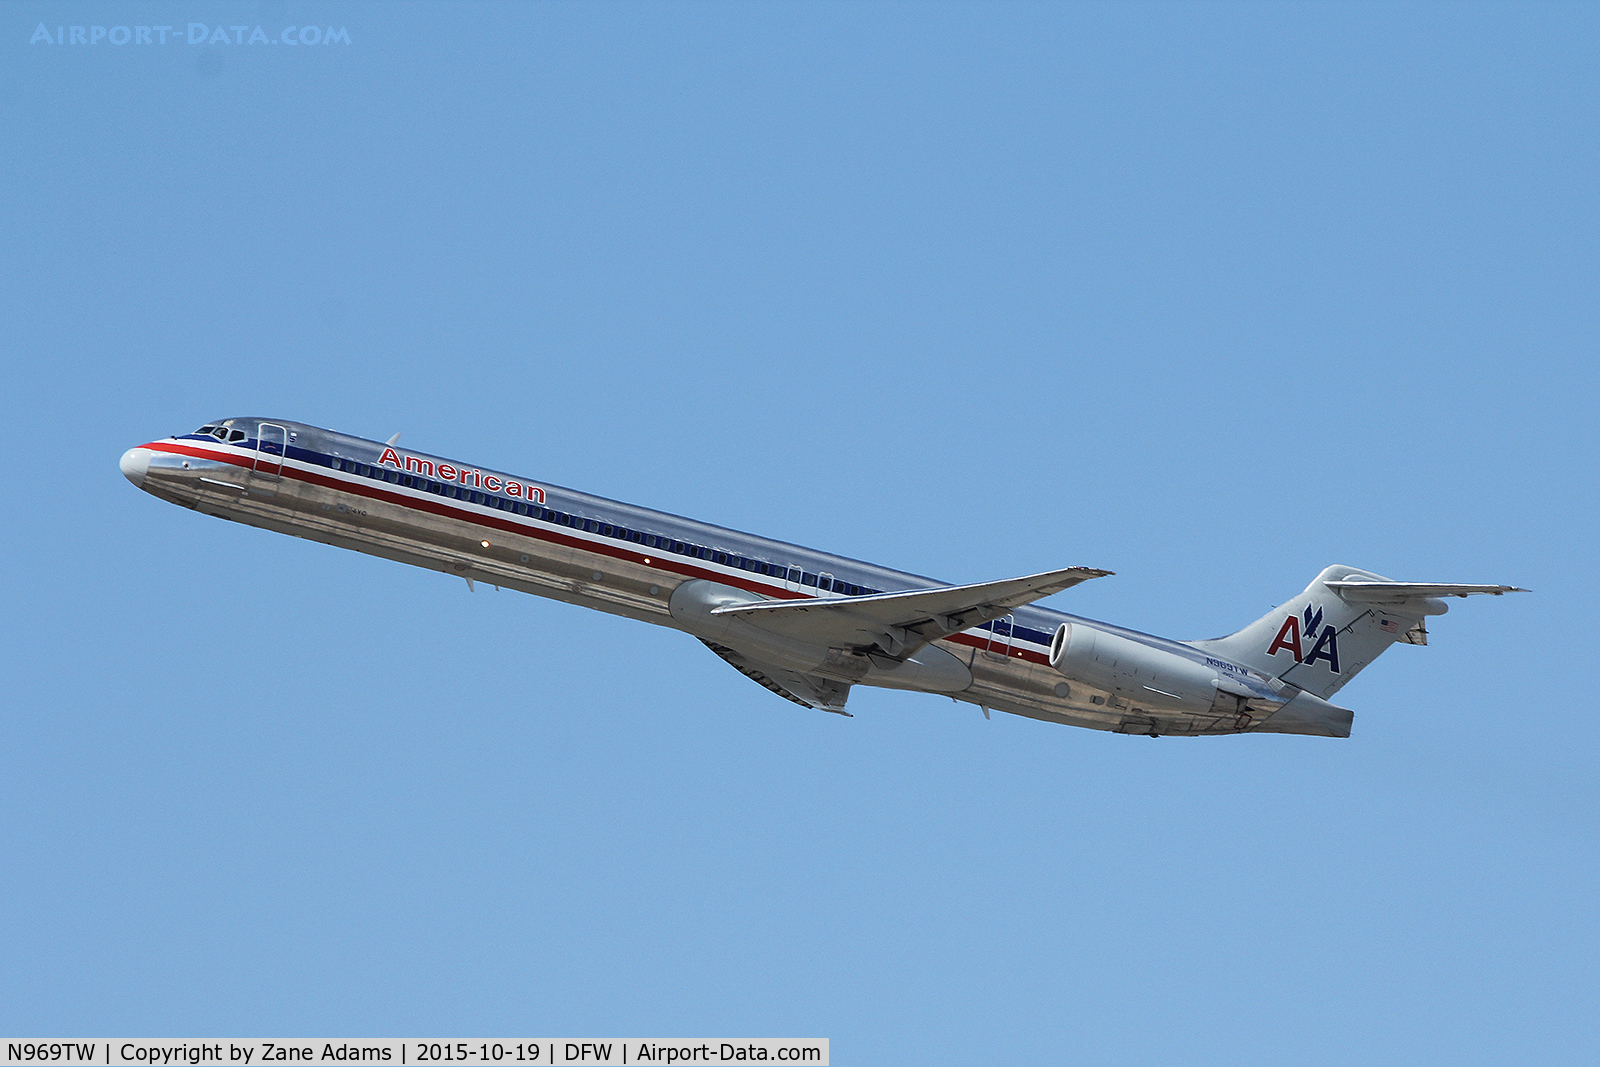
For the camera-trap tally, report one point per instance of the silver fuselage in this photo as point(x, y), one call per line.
point(536, 537)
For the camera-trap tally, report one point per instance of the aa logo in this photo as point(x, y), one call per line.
point(1289, 639)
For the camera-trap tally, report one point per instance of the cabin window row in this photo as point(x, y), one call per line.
point(656, 541)
point(659, 542)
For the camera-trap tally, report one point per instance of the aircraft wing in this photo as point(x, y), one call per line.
point(901, 623)
point(1399, 592)
point(807, 690)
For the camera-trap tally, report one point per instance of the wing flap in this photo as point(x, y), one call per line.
point(806, 690)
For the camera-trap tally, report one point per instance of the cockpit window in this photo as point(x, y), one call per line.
point(236, 435)
point(219, 433)
point(207, 428)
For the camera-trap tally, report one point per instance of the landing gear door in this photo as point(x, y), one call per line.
point(272, 443)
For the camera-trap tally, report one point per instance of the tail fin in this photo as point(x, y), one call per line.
point(1342, 622)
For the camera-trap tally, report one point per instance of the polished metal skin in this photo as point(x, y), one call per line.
point(805, 624)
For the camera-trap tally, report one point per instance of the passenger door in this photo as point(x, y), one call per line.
point(272, 444)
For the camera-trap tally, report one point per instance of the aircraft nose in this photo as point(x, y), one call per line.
point(135, 462)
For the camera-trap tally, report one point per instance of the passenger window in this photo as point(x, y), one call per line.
point(391, 477)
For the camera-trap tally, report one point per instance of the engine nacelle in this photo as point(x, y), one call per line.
point(1151, 677)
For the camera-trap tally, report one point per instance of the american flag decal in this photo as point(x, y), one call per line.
point(1388, 626)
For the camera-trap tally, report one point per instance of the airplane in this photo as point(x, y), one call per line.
point(804, 624)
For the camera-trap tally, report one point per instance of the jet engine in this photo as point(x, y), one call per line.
point(1152, 677)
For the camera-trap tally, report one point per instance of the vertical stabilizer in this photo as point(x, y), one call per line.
point(1339, 624)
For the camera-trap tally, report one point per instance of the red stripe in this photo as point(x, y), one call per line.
point(490, 522)
point(984, 644)
point(497, 523)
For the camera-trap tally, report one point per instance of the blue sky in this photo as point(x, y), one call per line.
point(1209, 295)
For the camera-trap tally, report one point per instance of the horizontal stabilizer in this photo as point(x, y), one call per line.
point(901, 623)
point(1397, 592)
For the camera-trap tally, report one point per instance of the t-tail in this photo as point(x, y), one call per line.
point(1345, 618)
